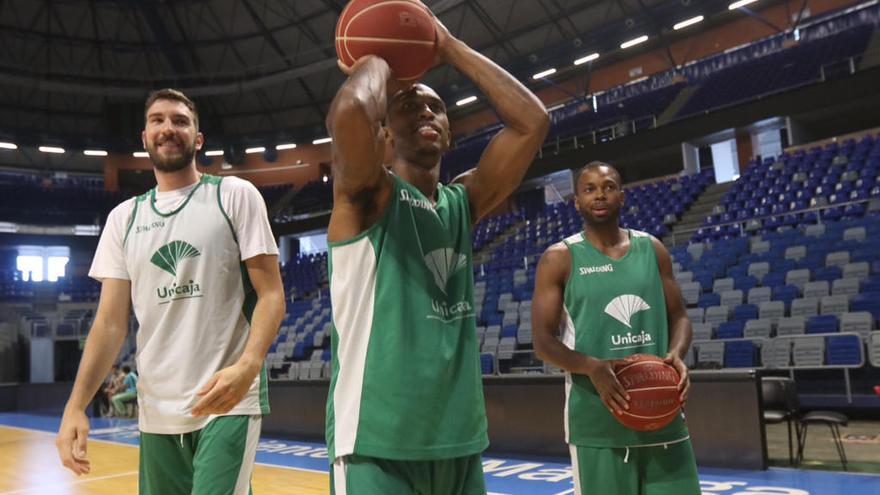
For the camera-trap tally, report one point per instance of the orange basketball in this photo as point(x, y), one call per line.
point(400, 31)
point(653, 392)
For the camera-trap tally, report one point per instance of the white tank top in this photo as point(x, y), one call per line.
point(193, 300)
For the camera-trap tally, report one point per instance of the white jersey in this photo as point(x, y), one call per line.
point(190, 292)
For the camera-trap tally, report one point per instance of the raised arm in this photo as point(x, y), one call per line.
point(547, 308)
point(680, 330)
point(509, 154)
point(105, 338)
point(355, 125)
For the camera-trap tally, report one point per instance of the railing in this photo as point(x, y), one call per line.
point(603, 134)
point(838, 68)
point(676, 235)
point(766, 346)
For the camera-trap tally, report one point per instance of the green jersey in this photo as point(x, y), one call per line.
point(612, 309)
point(406, 378)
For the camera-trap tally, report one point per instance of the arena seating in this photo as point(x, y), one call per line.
point(771, 65)
point(313, 197)
point(33, 199)
point(795, 294)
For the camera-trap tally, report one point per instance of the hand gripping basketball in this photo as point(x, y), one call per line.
point(653, 388)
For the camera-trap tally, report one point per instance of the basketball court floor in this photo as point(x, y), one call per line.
point(29, 465)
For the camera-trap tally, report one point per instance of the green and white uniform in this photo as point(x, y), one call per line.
point(406, 379)
point(183, 252)
point(613, 309)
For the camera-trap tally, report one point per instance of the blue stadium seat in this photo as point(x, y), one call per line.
point(708, 300)
point(745, 312)
point(744, 283)
point(827, 273)
point(843, 350)
point(786, 294)
point(740, 354)
point(730, 330)
point(774, 279)
point(823, 324)
point(487, 363)
point(867, 301)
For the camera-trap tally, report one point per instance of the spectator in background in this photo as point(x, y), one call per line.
point(112, 384)
point(128, 392)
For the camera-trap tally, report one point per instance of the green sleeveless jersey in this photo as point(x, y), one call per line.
point(406, 378)
point(612, 309)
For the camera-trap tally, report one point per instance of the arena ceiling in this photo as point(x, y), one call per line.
point(77, 71)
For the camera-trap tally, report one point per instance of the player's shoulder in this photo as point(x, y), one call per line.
point(233, 183)
point(647, 237)
point(123, 209)
point(554, 265)
point(556, 253)
point(236, 187)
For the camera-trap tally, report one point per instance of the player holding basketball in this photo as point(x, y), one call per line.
point(405, 413)
point(577, 284)
point(196, 258)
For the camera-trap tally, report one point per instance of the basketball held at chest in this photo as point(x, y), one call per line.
point(652, 386)
point(399, 31)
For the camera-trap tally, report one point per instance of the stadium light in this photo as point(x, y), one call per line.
point(588, 58)
point(214, 153)
point(634, 42)
point(740, 3)
point(8, 146)
point(258, 149)
point(285, 146)
point(95, 153)
point(51, 149)
point(544, 73)
point(464, 101)
point(140, 154)
point(322, 140)
point(688, 22)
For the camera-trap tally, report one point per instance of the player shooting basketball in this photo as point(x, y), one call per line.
point(405, 412)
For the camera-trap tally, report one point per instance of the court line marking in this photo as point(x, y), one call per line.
point(773, 468)
point(135, 472)
point(69, 483)
point(123, 444)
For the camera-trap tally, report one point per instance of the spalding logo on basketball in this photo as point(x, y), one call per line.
point(652, 386)
point(399, 31)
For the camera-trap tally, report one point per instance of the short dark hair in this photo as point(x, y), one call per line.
point(594, 165)
point(126, 369)
point(174, 95)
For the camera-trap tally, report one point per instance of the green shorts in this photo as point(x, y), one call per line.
point(358, 475)
point(216, 460)
point(655, 470)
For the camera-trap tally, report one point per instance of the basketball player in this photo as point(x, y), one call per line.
point(406, 413)
point(196, 258)
point(581, 283)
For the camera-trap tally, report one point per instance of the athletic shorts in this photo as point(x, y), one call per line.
point(358, 475)
point(216, 460)
point(655, 470)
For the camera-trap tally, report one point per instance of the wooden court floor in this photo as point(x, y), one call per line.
point(29, 465)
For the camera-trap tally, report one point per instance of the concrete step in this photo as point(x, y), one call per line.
point(871, 56)
point(693, 217)
point(676, 104)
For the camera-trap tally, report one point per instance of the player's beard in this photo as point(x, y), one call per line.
point(173, 164)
